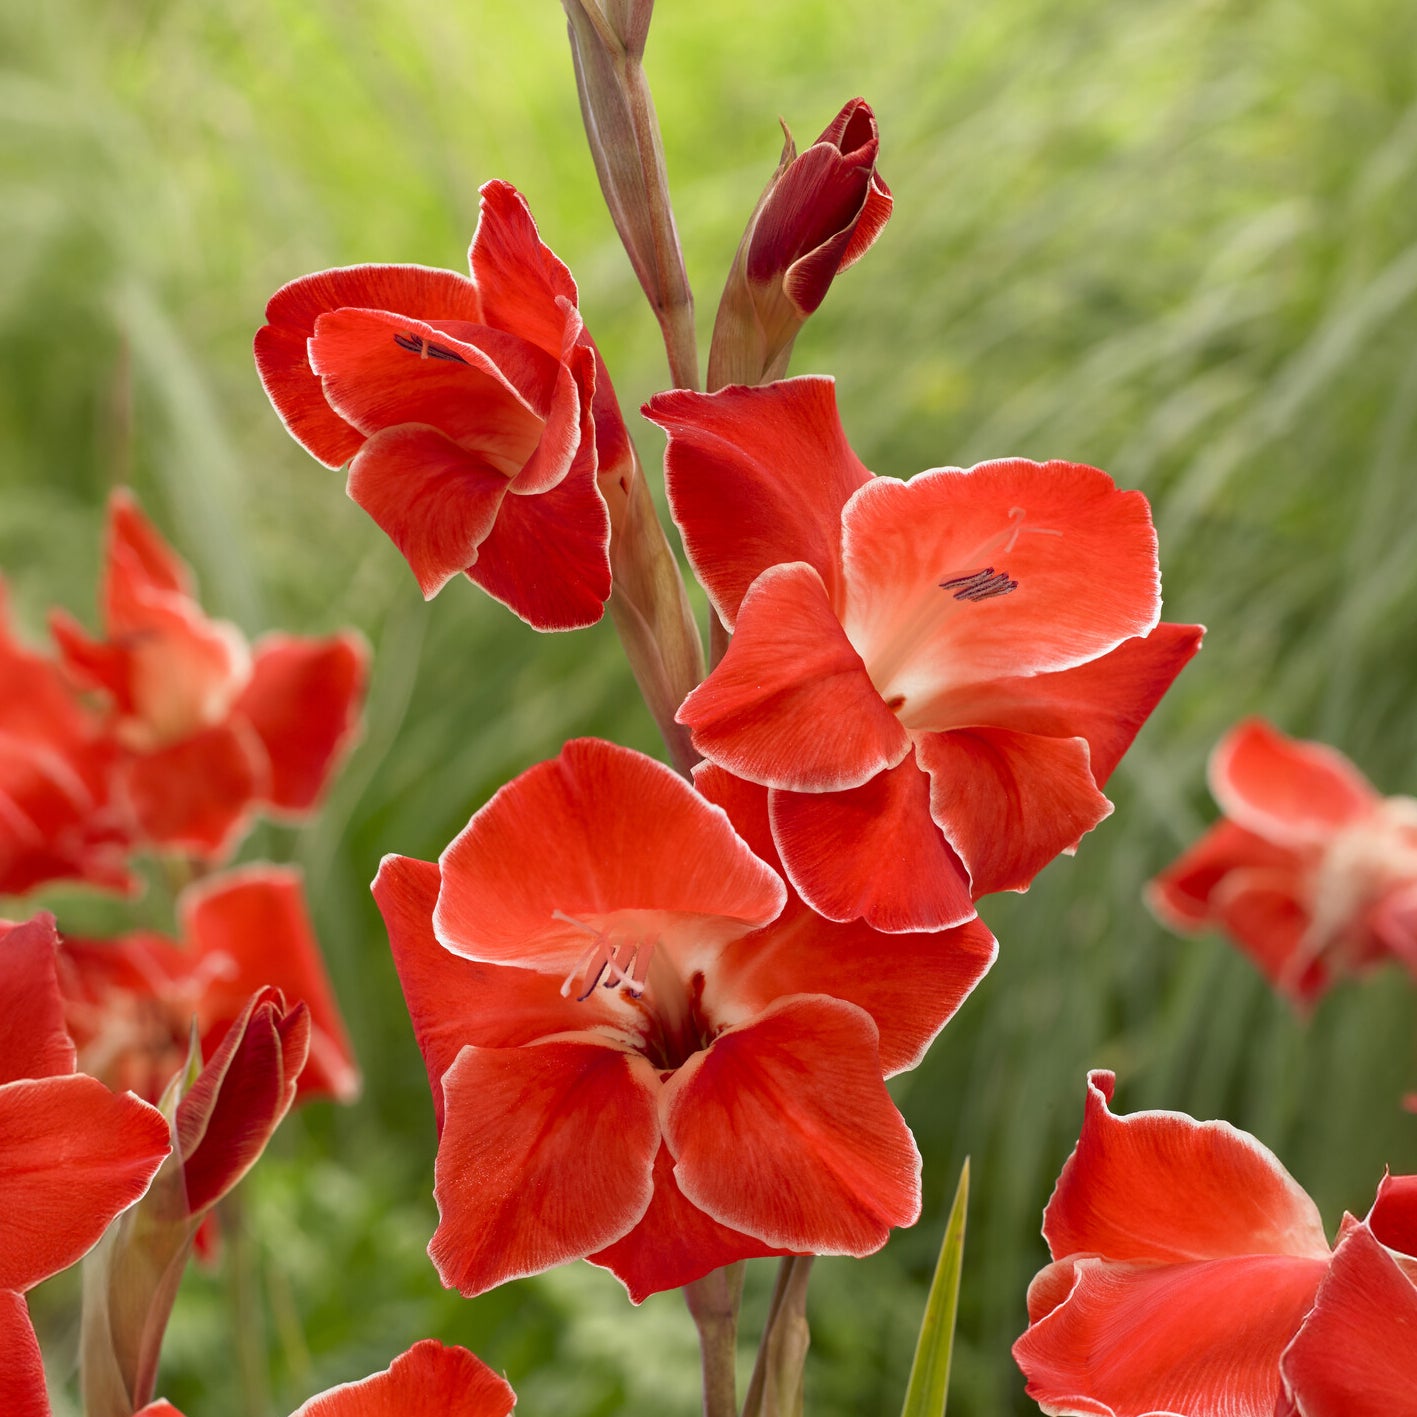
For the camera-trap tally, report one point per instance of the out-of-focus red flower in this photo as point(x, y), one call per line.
point(57, 819)
point(131, 1003)
point(1356, 1355)
point(427, 1381)
point(934, 678)
point(820, 213)
point(210, 728)
point(1309, 871)
point(72, 1153)
point(477, 413)
point(1185, 1261)
point(650, 1056)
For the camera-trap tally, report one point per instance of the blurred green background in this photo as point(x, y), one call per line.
point(1177, 240)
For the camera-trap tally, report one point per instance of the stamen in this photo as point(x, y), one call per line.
point(625, 964)
point(980, 585)
point(437, 351)
point(412, 343)
point(415, 345)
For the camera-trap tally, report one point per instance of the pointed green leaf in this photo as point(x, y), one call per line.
point(930, 1372)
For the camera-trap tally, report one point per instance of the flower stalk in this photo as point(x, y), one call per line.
point(713, 1302)
point(607, 49)
point(776, 1386)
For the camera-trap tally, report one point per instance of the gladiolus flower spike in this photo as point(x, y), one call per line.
point(656, 991)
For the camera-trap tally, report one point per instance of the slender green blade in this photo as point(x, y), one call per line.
point(930, 1372)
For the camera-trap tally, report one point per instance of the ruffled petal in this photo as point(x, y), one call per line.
point(910, 984)
point(757, 477)
point(282, 357)
point(197, 794)
point(1007, 568)
point(1139, 1341)
point(250, 929)
point(872, 853)
point(1009, 802)
point(303, 701)
point(519, 278)
point(34, 1042)
point(22, 1389)
point(547, 1155)
point(74, 1156)
point(1265, 913)
point(1162, 1188)
point(1183, 894)
point(1289, 791)
point(675, 1243)
point(435, 500)
point(137, 560)
point(611, 839)
point(790, 705)
point(547, 558)
point(1393, 1218)
point(454, 1001)
point(822, 1163)
point(429, 1379)
point(1356, 1355)
point(1105, 701)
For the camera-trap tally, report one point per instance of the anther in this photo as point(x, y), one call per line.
point(412, 343)
point(437, 351)
point(980, 585)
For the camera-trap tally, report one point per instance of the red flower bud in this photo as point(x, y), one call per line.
point(821, 212)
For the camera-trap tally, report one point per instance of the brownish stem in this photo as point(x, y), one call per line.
point(776, 1386)
point(713, 1301)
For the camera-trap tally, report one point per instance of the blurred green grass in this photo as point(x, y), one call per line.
point(1177, 240)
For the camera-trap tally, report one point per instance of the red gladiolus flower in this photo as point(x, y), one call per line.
point(57, 819)
point(427, 1381)
point(822, 211)
point(1309, 871)
point(211, 729)
point(130, 1003)
point(643, 1059)
point(477, 413)
point(1356, 1355)
point(933, 678)
point(1185, 1260)
point(72, 1153)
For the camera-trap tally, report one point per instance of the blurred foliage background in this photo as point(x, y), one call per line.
point(1174, 238)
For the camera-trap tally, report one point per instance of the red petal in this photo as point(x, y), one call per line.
point(910, 984)
point(33, 1040)
point(250, 929)
point(74, 1156)
point(303, 701)
point(22, 1389)
point(547, 558)
point(756, 478)
point(872, 853)
point(435, 500)
point(197, 794)
point(1161, 1188)
point(282, 357)
point(546, 1156)
point(454, 1001)
point(875, 212)
point(675, 1243)
point(1080, 554)
point(429, 1379)
point(634, 850)
point(1138, 1341)
point(137, 560)
point(1287, 790)
point(489, 391)
point(1393, 1218)
point(1356, 1355)
point(228, 1116)
point(1105, 701)
point(1009, 802)
point(1182, 895)
point(821, 1161)
point(518, 277)
point(790, 704)
point(161, 1408)
point(1264, 912)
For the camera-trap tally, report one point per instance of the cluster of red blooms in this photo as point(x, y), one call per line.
point(664, 1047)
